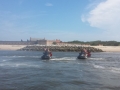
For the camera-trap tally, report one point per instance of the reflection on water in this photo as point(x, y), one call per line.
point(22, 70)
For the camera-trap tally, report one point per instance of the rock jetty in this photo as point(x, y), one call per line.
point(60, 48)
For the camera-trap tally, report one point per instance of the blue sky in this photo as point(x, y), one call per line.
point(67, 20)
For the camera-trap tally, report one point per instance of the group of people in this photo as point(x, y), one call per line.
point(85, 52)
point(47, 52)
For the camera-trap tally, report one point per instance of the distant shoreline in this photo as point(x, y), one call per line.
point(104, 48)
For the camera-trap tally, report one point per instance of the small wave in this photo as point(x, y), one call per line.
point(111, 69)
point(97, 58)
point(24, 65)
point(26, 56)
point(18, 56)
point(2, 65)
point(98, 66)
point(4, 60)
point(18, 65)
point(114, 70)
point(21, 56)
point(13, 56)
point(34, 56)
point(64, 58)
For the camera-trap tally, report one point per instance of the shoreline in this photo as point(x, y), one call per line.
point(104, 48)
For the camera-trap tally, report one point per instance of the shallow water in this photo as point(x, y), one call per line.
point(24, 70)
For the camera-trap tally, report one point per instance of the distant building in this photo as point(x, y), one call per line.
point(36, 39)
point(32, 41)
point(58, 41)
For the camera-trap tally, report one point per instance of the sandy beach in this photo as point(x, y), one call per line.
point(11, 47)
point(108, 48)
point(104, 48)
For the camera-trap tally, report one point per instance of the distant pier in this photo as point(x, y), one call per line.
point(59, 48)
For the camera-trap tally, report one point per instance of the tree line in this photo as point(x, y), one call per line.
point(96, 43)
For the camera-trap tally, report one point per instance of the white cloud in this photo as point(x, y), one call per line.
point(106, 16)
point(48, 4)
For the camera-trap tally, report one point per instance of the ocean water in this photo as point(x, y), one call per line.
point(24, 70)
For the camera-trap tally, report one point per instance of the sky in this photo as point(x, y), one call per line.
point(67, 20)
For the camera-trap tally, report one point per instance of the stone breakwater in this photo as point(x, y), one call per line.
point(60, 48)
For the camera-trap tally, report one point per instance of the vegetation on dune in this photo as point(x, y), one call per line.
point(96, 43)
